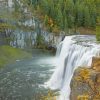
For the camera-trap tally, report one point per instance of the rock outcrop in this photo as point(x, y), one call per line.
point(96, 63)
point(85, 84)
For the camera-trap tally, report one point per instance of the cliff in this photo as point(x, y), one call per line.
point(20, 28)
point(85, 84)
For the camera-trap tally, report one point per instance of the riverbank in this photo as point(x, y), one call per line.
point(9, 54)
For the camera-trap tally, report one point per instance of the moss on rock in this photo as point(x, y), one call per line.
point(85, 84)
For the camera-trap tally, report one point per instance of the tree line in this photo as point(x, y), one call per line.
point(60, 15)
point(68, 14)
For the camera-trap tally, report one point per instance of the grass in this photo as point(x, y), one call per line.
point(9, 54)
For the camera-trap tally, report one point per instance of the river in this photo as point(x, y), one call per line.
point(24, 80)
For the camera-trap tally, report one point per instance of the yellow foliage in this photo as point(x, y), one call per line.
point(4, 26)
point(83, 97)
point(49, 96)
point(50, 22)
point(56, 29)
point(78, 78)
point(84, 74)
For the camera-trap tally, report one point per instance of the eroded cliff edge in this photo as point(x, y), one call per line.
point(85, 84)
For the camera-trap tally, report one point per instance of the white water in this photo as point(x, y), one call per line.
point(73, 51)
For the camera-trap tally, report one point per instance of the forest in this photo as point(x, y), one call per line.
point(61, 15)
point(67, 15)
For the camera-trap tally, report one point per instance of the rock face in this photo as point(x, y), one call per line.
point(22, 39)
point(96, 63)
point(29, 32)
point(85, 84)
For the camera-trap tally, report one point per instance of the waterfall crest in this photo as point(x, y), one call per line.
point(73, 51)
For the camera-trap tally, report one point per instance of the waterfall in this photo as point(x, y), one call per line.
point(73, 51)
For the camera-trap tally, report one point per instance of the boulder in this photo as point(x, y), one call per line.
point(85, 83)
point(96, 63)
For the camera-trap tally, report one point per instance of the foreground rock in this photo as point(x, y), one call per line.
point(96, 63)
point(85, 84)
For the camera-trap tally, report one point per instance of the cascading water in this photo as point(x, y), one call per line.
point(73, 51)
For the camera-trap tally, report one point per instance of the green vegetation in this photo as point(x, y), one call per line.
point(68, 14)
point(98, 33)
point(57, 15)
point(98, 27)
point(9, 54)
point(40, 43)
point(11, 17)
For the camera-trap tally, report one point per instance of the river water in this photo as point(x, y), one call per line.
point(24, 80)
